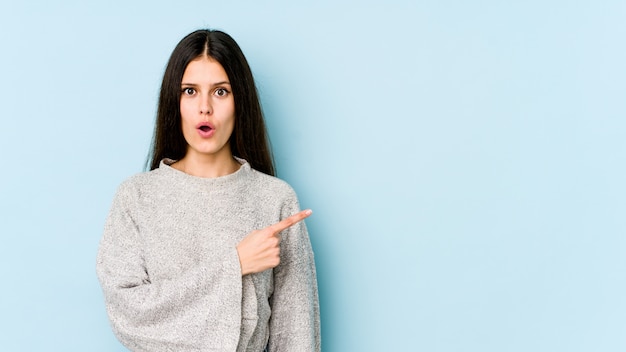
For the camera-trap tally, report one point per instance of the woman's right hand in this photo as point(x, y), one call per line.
point(260, 249)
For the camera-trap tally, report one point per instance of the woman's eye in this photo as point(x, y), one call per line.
point(221, 92)
point(189, 91)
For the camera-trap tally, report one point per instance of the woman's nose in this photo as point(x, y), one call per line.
point(205, 106)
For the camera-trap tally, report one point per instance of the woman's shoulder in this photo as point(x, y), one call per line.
point(271, 185)
point(136, 184)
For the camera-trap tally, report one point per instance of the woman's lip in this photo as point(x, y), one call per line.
point(205, 124)
point(207, 132)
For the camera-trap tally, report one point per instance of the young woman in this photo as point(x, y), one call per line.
point(207, 251)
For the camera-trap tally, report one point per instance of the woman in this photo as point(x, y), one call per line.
point(181, 262)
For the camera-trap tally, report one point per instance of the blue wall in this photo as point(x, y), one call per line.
point(465, 162)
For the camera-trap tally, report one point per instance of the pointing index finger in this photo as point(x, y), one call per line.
point(290, 221)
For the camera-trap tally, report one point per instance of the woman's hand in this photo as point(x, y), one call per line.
point(260, 249)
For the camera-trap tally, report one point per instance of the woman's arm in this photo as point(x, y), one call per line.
point(197, 310)
point(295, 320)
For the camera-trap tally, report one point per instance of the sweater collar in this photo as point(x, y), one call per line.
point(244, 170)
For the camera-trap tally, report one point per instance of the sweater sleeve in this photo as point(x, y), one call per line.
point(295, 319)
point(197, 310)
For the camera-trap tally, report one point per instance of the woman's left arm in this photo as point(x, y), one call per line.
point(295, 320)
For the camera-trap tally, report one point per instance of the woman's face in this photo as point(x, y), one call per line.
point(207, 108)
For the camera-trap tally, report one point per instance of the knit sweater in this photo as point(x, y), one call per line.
point(170, 271)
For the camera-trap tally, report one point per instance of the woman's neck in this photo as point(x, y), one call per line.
point(207, 166)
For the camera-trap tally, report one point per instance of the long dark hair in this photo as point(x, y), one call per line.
point(249, 139)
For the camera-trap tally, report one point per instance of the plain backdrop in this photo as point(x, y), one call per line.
point(465, 162)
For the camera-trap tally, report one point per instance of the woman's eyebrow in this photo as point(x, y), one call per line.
point(212, 84)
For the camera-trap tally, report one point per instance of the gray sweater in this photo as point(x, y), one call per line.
point(170, 272)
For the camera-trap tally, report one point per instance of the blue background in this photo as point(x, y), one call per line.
point(465, 162)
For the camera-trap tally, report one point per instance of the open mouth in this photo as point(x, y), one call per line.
point(205, 129)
